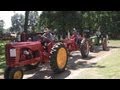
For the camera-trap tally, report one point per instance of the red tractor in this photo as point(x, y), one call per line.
point(77, 42)
point(30, 54)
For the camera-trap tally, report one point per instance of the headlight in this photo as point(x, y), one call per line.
point(93, 40)
point(12, 52)
point(100, 41)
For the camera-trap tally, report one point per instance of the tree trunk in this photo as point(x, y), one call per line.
point(26, 21)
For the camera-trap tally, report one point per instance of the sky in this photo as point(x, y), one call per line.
point(6, 16)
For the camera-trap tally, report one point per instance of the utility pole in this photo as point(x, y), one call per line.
point(24, 36)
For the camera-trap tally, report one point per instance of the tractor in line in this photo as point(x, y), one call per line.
point(30, 53)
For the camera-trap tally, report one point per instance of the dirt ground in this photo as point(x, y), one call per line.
point(74, 67)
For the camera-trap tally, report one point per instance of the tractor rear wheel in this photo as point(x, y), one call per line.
point(104, 44)
point(84, 49)
point(13, 73)
point(58, 58)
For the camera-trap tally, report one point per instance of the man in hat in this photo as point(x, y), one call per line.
point(47, 34)
point(76, 36)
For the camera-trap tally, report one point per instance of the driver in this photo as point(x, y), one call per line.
point(48, 34)
point(76, 36)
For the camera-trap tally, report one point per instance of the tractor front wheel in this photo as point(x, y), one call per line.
point(92, 49)
point(13, 73)
point(6, 73)
point(58, 58)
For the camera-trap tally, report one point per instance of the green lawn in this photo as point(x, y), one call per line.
point(2, 56)
point(114, 43)
point(107, 68)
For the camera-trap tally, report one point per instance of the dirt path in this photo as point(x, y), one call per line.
point(75, 66)
point(90, 63)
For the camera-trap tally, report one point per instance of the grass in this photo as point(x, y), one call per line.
point(114, 42)
point(110, 64)
point(2, 56)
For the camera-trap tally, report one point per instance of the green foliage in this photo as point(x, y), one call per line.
point(63, 21)
point(33, 20)
point(1, 26)
point(2, 56)
point(18, 22)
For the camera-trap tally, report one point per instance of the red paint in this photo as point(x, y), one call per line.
point(32, 47)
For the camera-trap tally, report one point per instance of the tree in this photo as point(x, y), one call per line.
point(26, 21)
point(63, 21)
point(1, 26)
point(17, 23)
point(33, 20)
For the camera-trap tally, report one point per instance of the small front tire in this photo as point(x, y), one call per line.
point(13, 73)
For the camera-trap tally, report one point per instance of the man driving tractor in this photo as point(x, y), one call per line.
point(76, 35)
point(47, 34)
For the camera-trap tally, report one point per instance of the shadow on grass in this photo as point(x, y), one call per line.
point(45, 72)
point(77, 62)
point(114, 47)
point(99, 48)
point(93, 65)
point(74, 63)
point(89, 57)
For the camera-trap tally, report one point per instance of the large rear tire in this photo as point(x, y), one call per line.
point(58, 58)
point(104, 44)
point(84, 49)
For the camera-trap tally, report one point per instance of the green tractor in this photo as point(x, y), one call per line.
point(99, 40)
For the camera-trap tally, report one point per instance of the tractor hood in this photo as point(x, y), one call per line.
point(24, 44)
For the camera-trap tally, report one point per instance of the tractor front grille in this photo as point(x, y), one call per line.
point(7, 55)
